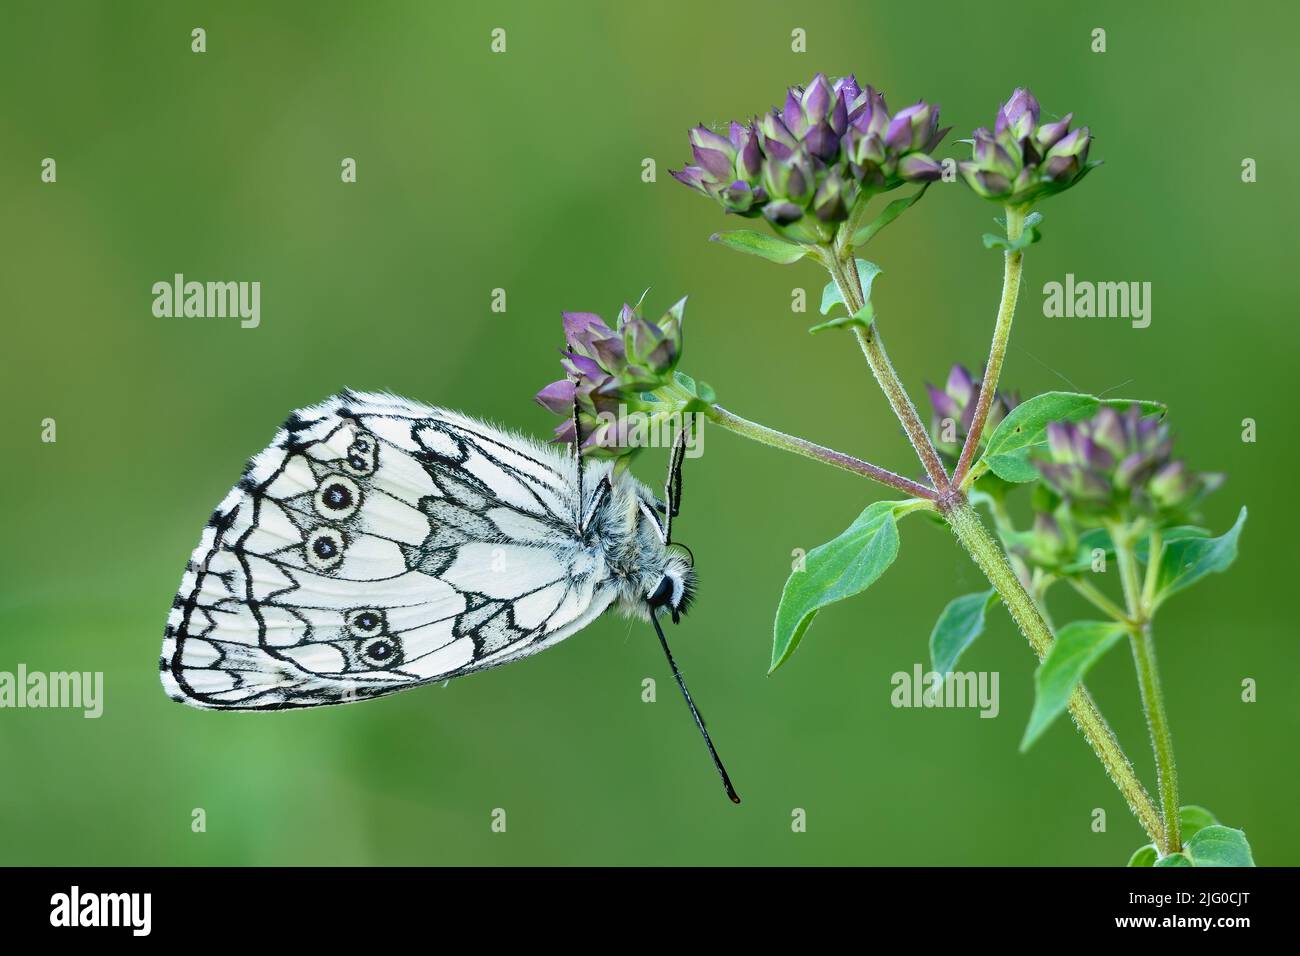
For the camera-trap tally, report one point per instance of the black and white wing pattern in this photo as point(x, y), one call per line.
point(377, 545)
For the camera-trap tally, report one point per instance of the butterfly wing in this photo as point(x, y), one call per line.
point(377, 545)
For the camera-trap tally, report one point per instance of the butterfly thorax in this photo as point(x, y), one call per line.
point(629, 535)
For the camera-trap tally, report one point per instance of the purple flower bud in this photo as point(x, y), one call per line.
point(918, 167)
point(817, 99)
point(829, 203)
point(749, 157)
point(610, 353)
point(692, 176)
point(1049, 133)
point(704, 138)
point(792, 115)
point(1075, 143)
point(737, 197)
point(580, 328)
point(1060, 439)
point(822, 142)
point(960, 385)
point(943, 404)
point(557, 397)
point(1019, 114)
point(581, 366)
point(781, 213)
point(714, 162)
point(846, 89)
point(989, 184)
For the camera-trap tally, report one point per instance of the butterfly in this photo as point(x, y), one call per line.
point(378, 544)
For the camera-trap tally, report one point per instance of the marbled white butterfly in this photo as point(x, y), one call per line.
point(378, 544)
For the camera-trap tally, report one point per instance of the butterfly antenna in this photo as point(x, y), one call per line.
point(699, 721)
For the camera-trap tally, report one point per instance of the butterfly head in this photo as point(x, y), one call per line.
point(675, 588)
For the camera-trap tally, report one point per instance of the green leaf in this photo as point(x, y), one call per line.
point(1186, 561)
point(1192, 819)
point(888, 215)
point(1205, 843)
point(1028, 234)
point(1145, 856)
point(1027, 239)
point(1217, 845)
point(702, 396)
point(841, 568)
point(1077, 647)
point(760, 244)
point(863, 317)
point(959, 624)
point(1007, 452)
point(867, 272)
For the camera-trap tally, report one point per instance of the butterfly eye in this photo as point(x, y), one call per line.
point(337, 497)
point(381, 652)
point(325, 549)
point(663, 592)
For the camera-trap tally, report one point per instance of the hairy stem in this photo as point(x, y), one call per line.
point(845, 276)
point(975, 538)
point(1011, 268)
point(770, 436)
point(1153, 701)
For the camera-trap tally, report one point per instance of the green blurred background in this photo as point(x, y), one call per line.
point(523, 171)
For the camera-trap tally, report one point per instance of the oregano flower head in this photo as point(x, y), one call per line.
point(610, 370)
point(1119, 465)
point(955, 403)
point(809, 161)
point(1022, 159)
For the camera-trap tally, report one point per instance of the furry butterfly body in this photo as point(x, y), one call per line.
point(378, 545)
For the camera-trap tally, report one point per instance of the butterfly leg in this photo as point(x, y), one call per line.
point(577, 455)
point(673, 484)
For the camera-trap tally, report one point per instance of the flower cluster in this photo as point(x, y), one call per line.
point(953, 411)
point(609, 372)
point(1118, 465)
point(1023, 160)
point(832, 144)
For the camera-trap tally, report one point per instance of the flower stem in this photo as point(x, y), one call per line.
point(1011, 269)
point(1097, 597)
point(975, 538)
point(770, 436)
point(845, 277)
point(1144, 659)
